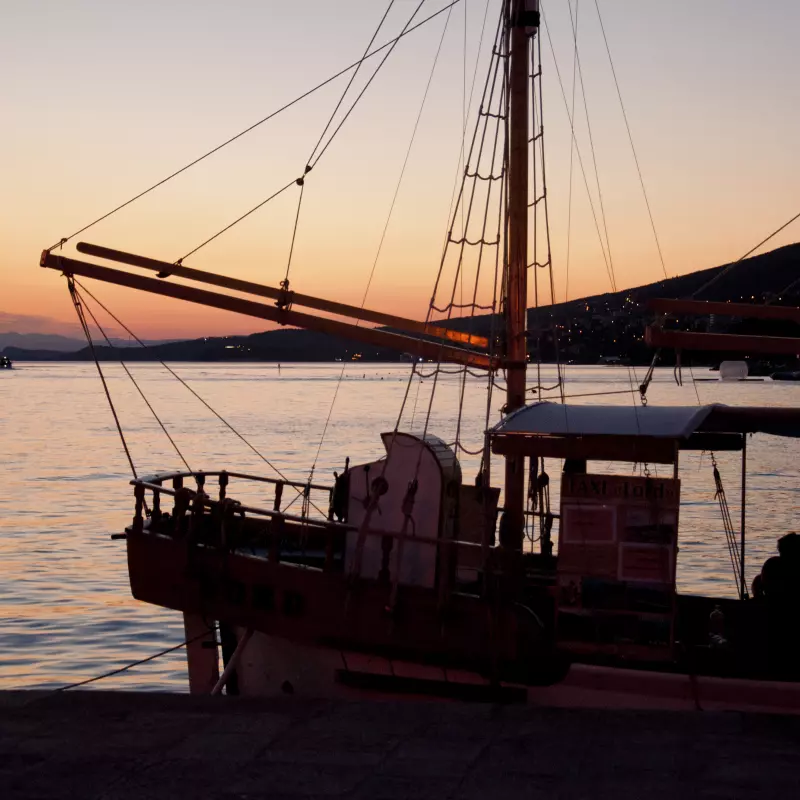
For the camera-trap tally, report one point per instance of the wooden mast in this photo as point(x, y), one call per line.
point(522, 13)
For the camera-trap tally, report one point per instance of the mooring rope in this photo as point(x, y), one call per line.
point(133, 664)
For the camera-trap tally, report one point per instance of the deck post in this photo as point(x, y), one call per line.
point(223, 485)
point(138, 519)
point(155, 513)
point(177, 485)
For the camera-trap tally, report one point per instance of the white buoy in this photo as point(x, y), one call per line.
point(733, 370)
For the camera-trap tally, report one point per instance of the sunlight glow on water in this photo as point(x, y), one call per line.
point(67, 613)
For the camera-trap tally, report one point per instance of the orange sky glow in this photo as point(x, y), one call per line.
point(101, 100)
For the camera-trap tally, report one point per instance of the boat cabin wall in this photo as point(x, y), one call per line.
point(400, 511)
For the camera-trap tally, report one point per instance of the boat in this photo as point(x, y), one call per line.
point(614, 361)
point(404, 575)
point(5, 362)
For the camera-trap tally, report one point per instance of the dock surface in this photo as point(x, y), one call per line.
point(117, 745)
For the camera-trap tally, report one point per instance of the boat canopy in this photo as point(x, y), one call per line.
point(556, 419)
point(652, 433)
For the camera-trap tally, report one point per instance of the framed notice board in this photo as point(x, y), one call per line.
point(617, 551)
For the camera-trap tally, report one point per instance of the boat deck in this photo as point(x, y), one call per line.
point(96, 744)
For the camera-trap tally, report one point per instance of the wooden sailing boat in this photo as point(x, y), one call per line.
point(409, 564)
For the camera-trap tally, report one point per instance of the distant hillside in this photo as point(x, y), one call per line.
point(13, 344)
point(755, 279)
point(603, 325)
point(284, 344)
point(40, 341)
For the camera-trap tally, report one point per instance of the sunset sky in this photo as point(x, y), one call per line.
point(101, 98)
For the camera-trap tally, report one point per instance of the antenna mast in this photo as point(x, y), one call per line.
point(523, 22)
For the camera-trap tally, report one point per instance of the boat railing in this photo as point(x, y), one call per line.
point(195, 502)
point(200, 498)
point(317, 498)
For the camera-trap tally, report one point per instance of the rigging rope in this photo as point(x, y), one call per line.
point(82, 320)
point(726, 270)
point(591, 146)
point(285, 284)
point(730, 532)
point(350, 83)
point(481, 241)
point(720, 496)
point(459, 164)
point(301, 180)
point(452, 216)
point(571, 140)
point(385, 230)
point(185, 384)
point(239, 219)
point(539, 166)
point(416, 398)
point(609, 269)
point(133, 380)
point(255, 125)
point(630, 139)
point(367, 85)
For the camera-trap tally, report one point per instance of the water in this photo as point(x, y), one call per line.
point(67, 613)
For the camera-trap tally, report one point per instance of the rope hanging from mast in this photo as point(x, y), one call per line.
point(486, 148)
point(571, 140)
point(630, 139)
point(76, 302)
point(300, 181)
point(133, 380)
point(723, 272)
point(350, 83)
point(539, 212)
point(313, 158)
point(383, 238)
point(183, 382)
point(730, 532)
point(608, 264)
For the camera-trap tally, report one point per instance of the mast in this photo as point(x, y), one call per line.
point(524, 16)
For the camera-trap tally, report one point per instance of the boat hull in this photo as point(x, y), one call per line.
point(317, 608)
point(271, 666)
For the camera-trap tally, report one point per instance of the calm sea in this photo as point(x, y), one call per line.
point(65, 608)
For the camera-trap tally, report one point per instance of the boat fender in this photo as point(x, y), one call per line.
point(408, 500)
point(380, 486)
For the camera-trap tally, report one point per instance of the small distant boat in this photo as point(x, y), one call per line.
point(5, 362)
point(614, 361)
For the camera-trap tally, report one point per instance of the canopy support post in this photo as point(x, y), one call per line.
point(743, 590)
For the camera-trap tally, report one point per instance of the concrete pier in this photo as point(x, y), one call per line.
point(121, 746)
